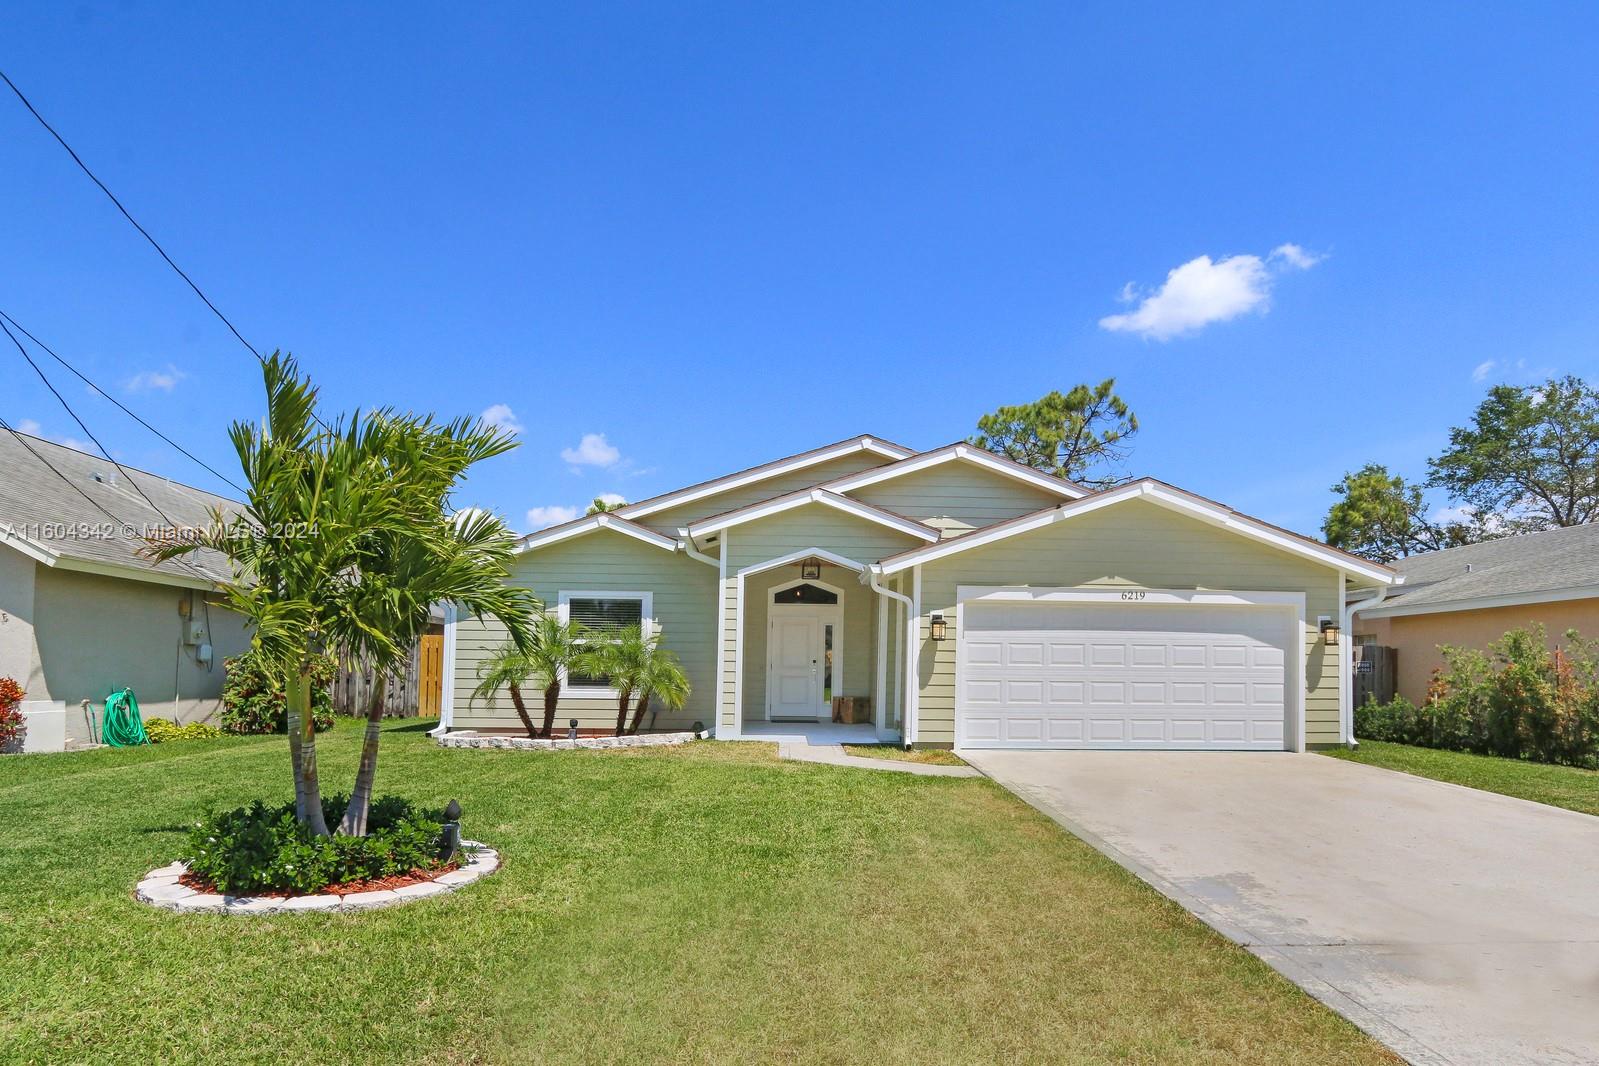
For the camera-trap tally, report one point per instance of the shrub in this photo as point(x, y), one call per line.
point(263, 849)
point(253, 698)
point(1519, 700)
point(10, 712)
point(161, 730)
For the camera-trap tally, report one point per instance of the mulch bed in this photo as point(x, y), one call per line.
point(415, 877)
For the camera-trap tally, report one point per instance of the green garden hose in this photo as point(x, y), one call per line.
point(123, 728)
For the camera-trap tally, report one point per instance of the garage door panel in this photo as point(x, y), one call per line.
point(1090, 675)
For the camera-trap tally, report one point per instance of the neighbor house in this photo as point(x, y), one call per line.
point(973, 601)
point(1472, 595)
point(83, 613)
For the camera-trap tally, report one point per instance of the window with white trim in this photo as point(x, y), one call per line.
point(600, 613)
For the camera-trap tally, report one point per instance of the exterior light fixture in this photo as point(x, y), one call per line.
point(811, 569)
point(450, 836)
point(937, 628)
point(1329, 632)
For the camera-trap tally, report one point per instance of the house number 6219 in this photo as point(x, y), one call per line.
point(1134, 595)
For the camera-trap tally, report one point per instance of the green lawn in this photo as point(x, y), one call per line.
point(1561, 786)
point(704, 903)
point(925, 756)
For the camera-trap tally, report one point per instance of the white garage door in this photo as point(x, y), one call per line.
point(1093, 675)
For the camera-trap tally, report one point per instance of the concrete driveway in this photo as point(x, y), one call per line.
point(1456, 926)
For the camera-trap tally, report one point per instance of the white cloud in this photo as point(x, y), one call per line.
point(146, 380)
point(1295, 256)
point(1467, 515)
point(592, 450)
point(540, 517)
point(612, 499)
point(1481, 371)
point(501, 415)
point(30, 427)
point(1202, 291)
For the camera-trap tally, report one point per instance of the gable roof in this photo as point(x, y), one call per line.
point(804, 498)
point(1164, 495)
point(961, 451)
point(590, 523)
point(775, 468)
point(32, 496)
point(1557, 564)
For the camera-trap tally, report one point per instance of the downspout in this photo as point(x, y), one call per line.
point(908, 684)
point(447, 680)
point(1348, 689)
point(686, 546)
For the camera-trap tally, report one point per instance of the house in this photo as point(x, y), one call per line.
point(83, 613)
point(1470, 596)
point(975, 602)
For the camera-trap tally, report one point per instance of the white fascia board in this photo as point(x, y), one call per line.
point(804, 499)
point(591, 524)
point(1478, 603)
point(31, 548)
point(1154, 493)
point(711, 488)
point(132, 573)
point(805, 553)
point(953, 452)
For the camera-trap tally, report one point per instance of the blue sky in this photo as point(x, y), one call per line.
point(718, 235)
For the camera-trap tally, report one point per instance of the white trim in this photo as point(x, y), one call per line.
point(721, 633)
point(1153, 493)
point(968, 453)
point(603, 520)
point(880, 693)
point(826, 614)
point(447, 695)
point(738, 658)
point(32, 549)
point(1291, 603)
point(77, 564)
point(913, 659)
point(1345, 664)
point(762, 473)
point(805, 498)
point(804, 553)
point(563, 614)
point(1478, 603)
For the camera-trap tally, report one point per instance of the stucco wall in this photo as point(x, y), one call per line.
point(16, 615)
point(1419, 636)
point(94, 635)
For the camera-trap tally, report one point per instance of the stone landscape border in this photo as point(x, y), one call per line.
point(160, 888)
point(467, 738)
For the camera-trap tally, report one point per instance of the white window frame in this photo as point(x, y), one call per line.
point(563, 613)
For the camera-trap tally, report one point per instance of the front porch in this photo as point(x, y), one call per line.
point(815, 733)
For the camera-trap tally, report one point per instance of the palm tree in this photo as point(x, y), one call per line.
point(342, 543)
point(507, 667)
point(621, 657)
point(661, 676)
point(554, 648)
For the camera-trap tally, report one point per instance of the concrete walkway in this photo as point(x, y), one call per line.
point(1456, 926)
point(834, 755)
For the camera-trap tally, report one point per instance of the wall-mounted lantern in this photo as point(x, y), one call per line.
point(811, 569)
point(936, 627)
point(1329, 632)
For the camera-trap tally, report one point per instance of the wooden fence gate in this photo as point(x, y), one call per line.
point(430, 686)
point(1376, 673)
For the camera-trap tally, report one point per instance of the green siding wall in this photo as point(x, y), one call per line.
point(684, 607)
point(1140, 545)
point(673, 518)
point(957, 496)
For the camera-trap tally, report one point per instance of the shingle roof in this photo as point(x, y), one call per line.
point(33, 500)
point(1528, 565)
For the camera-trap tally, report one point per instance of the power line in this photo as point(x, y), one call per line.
point(84, 426)
point(145, 233)
point(121, 406)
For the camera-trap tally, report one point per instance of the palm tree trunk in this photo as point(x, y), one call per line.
point(311, 789)
point(638, 712)
point(622, 701)
point(292, 724)
point(552, 696)
point(355, 814)
point(521, 710)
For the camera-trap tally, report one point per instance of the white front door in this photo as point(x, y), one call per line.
point(793, 683)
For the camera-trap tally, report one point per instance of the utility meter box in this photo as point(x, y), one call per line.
point(195, 634)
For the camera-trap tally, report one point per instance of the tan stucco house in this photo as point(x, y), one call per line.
point(1472, 595)
point(974, 602)
point(82, 613)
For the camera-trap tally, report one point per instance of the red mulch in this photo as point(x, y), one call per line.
point(415, 877)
